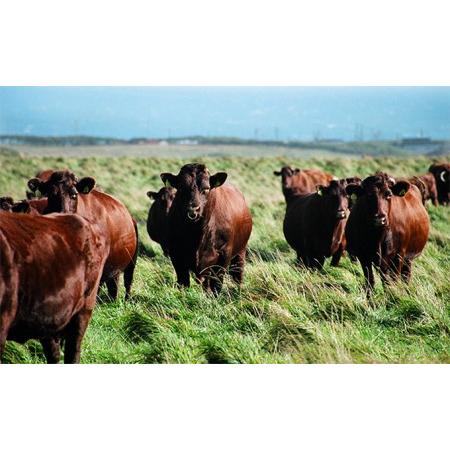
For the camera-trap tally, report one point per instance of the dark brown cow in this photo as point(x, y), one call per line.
point(314, 224)
point(209, 227)
point(62, 190)
point(33, 207)
point(49, 277)
point(388, 227)
point(441, 173)
point(299, 182)
point(157, 220)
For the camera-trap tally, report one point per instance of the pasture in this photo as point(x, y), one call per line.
point(281, 314)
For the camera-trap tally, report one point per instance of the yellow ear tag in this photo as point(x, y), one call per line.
point(167, 184)
point(402, 193)
point(353, 197)
point(86, 190)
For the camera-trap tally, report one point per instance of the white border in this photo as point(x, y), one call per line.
point(204, 42)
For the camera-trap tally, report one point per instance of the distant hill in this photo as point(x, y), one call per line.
point(373, 148)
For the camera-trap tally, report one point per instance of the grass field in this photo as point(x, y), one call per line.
point(281, 314)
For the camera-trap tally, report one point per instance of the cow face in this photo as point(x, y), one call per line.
point(335, 197)
point(376, 193)
point(441, 174)
point(193, 185)
point(287, 174)
point(163, 198)
point(62, 189)
point(6, 204)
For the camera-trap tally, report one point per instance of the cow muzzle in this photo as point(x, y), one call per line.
point(341, 214)
point(194, 213)
point(380, 220)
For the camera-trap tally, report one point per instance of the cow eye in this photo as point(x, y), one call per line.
point(388, 194)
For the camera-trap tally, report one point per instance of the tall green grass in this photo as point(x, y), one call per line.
point(280, 314)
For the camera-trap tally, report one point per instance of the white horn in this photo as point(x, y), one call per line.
point(441, 176)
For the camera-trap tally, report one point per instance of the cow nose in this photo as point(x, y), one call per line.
point(193, 212)
point(380, 219)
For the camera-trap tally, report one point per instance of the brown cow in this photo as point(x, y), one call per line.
point(387, 228)
point(49, 277)
point(157, 220)
point(441, 173)
point(62, 189)
point(314, 224)
point(209, 227)
point(299, 182)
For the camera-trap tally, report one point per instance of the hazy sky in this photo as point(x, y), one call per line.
point(265, 113)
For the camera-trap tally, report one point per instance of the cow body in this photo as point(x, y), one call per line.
point(209, 227)
point(113, 218)
point(299, 182)
point(158, 216)
point(387, 228)
point(314, 225)
point(49, 277)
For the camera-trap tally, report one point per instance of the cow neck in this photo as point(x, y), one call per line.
point(290, 197)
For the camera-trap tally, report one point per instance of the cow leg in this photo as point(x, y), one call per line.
point(406, 270)
point(337, 256)
point(237, 267)
point(182, 271)
point(216, 279)
point(113, 286)
point(300, 260)
point(129, 270)
point(74, 335)
point(52, 350)
point(2, 344)
point(368, 275)
point(128, 278)
point(318, 262)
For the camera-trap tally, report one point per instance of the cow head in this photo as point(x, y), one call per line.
point(335, 198)
point(6, 203)
point(376, 193)
point(163, 198)
point(62, 189)
point(193, 185)
point(286, 173)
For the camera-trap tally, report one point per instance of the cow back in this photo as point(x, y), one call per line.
point(116, 224)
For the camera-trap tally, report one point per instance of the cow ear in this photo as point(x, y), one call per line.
point(152, 195)
point(218, 179)
point(321, 189)
point(169, 180)
point(400, 188)
point(277, 173)
point(442, 175)
point(36, 185)
point(85, 185)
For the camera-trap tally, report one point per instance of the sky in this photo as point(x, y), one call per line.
point(282, 113)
